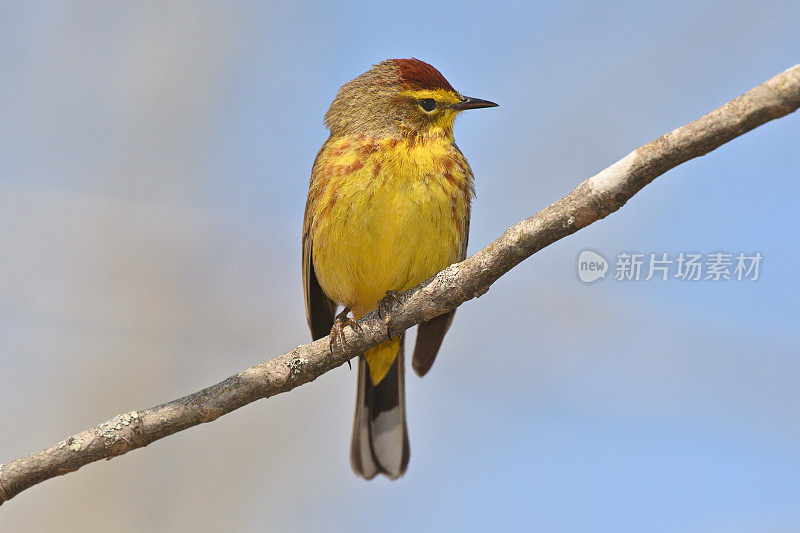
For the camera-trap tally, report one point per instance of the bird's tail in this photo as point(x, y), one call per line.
point(380, 437)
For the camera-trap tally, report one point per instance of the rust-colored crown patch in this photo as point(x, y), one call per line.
point(420, 75)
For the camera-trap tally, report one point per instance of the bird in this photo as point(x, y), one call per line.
point(388, 206)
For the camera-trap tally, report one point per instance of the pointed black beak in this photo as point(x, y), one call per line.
point(471, 103)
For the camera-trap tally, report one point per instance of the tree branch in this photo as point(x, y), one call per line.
point(595, 198)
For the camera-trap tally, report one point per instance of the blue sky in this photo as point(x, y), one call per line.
point(155, 161)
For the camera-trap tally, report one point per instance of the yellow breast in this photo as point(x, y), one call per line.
point(385, 215)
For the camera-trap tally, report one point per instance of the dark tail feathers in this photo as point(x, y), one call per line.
point(380, 437)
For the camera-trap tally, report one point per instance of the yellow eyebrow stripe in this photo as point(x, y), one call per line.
point(440, 95)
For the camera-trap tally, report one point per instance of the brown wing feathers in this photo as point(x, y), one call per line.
point(320, 310)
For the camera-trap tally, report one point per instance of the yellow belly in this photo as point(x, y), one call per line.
point(386, 218)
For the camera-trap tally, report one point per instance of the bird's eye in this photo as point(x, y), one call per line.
point(428, 104)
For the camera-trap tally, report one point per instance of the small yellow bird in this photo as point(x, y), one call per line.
point(388, 206)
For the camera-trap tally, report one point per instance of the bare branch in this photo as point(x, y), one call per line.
point(592, 200)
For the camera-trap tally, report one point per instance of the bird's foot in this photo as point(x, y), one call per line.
point(337, 331)
point(385, 310)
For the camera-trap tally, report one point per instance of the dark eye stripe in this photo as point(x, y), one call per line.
point(428, 104)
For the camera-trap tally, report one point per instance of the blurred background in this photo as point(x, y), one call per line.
point(154, 162)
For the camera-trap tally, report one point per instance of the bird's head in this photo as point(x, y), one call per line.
point(398, 97)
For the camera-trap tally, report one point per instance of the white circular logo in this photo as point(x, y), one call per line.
point(591, 266)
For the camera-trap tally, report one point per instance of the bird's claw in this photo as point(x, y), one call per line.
point(385, 310)
point(337, 331)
